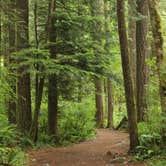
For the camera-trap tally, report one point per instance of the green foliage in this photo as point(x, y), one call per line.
point(5, 89)
point(150, 135)
point(10, 153)
point(76, 123)
point(158, 163)
point(44, 141)
point(159, 160)
point(8, 133)
point(12, 156)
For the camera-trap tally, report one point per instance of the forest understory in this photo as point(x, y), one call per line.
point(82, 82)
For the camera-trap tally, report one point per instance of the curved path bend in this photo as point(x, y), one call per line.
point(109, 148)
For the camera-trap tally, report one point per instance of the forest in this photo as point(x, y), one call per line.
point(82, 83)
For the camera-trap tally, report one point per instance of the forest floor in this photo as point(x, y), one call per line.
point(109, 148)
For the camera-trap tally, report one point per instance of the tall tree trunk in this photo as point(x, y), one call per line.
point(52, 83)
point(132, 39)
point(142, 54)
point(159, 52)
point(96, 34)
point(99, 102)
point(39, 85)
point(110, 104)
point(23, 82)
point(107, 50)
point(34, 127)
point(129, 92)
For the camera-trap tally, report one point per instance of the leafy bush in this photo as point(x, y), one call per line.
point(9, 140)
point(8, 133)
point(150, 136)
point(76, 122)
point(159, 160)
point(158, 163)
point(12, 156)
point(44, 140)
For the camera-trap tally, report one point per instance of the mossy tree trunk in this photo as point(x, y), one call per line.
point(109, 101)
point(52, 82)
point(159, 53)
point(23, 80)
point(39, 82)
point(129, 92)
point(142, 54)
point(99, 102)
point(132, 39)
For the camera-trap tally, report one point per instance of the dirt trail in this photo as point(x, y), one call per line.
point(109, 148)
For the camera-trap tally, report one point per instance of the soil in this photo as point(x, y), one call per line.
point(109, 148)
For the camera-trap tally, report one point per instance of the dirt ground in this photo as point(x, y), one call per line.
point(109, 148)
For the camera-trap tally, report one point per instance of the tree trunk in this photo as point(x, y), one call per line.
point(142, 54)
point(99, 102)
point(159, 52)
point(129, 92)
point(132, 39)
point(110, 105)
point(34, 127)
point(39, 85)
point(107, 50)
point(23, 81)
point(52, 82)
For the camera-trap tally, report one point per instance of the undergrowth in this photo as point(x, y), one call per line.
point(11, 153)
point(150, 137)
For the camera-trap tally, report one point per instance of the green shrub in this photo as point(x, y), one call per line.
point(76, 122)
point(150, 136)
point(12, 156)
point(10, 153)
point(159, 160)
point(8, 133)
point(44, 140)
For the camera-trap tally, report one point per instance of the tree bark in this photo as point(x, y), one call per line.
point(39, 84)
point(129, 92)
point(52, 82)
point(142, 54)
point(107, 50)
point(99, 102)
point(110, 105)
point(23, 81)
point(159, 52)
point(34, 127)
point(132, 39)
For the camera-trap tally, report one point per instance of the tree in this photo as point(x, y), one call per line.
point(52, 82)
point(132, 39)
point(142, 54)
point(159, 53)
point(107, 50)
point(96, 34)
point(23, 81)
point(39, 81)
point(129, 92)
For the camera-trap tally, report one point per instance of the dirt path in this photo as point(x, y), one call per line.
point(108, 149)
